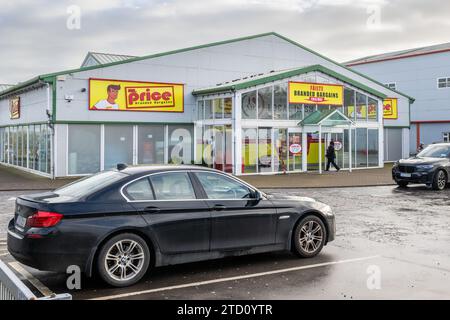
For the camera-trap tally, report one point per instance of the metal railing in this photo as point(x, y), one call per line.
point(12, 288)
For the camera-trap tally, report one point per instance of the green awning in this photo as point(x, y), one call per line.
point(325, 118)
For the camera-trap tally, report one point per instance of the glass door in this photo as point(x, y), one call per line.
point(295, 153)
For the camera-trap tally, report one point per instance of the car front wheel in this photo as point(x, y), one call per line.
point(439, 180)
point(123, 260)
point(309, 237)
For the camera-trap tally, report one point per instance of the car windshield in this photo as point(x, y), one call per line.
point(435, 151)
point(90, 184)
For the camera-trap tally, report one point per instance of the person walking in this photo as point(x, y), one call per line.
point(331, 156)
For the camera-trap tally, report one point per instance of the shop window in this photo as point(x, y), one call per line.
point(265, 103)
point(180, 146)
point(118, 145)
point(295, 112)
point(361, 106)
point(208, 110)
point(349, 103)
point(84, 149)
point(280, 102)
point(372, 109)
point(249, 150)
point(249, 105)
point(151, 144)
point(218, 108)
point(264, 150)
point(227, 108)
point(361, 147)
point(2, 145)
point(280, 158)
point(308, 109)
point(372, 148)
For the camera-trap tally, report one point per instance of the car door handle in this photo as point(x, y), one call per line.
point(219, 207)
point(152, 210)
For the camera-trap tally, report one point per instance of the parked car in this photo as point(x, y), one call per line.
point(431, 166)
point(122, 222)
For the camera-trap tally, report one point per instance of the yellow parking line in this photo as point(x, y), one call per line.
point(201, 283)
point(28, 276)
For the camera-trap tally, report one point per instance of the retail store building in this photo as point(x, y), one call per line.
point(262, 104)
point(424, 72)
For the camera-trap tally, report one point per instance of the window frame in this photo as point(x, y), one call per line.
point(200, 193)
point(205, 194)
point(137, 181)
point(447, 82)
point(389, 84)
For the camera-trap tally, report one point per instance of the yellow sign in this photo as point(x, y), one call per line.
point(118, 95)
point(14, 108)
point(390, 110)
point(316, 93)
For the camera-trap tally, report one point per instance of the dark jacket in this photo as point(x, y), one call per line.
point(330, 153)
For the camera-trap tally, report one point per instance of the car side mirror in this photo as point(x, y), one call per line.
point(257, 195)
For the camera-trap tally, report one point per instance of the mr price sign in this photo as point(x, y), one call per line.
point(390, 109)
point(118, 95)
point(316, 93)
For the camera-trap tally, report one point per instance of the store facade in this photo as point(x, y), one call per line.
point(185, 107)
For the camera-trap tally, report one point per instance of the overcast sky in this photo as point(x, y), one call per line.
point(42, 36)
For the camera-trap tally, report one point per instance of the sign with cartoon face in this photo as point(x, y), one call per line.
point(118, 95)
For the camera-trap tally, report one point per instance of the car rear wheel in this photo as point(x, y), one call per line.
point(402, 184)
point(123, 260)
point(439, 180)
point(309, 237)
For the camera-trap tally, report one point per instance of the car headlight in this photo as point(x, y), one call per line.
point(424, 167)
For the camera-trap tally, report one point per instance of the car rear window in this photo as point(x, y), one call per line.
point(91, 184)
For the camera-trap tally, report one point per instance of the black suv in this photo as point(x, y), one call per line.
point(431, 167)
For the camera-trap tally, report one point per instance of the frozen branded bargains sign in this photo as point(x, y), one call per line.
point(390, 110)
point(119, 95)
point(316, 93)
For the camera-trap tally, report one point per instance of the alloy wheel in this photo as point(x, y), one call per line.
point(124, 260)
point(441, 180)
point(311, 236)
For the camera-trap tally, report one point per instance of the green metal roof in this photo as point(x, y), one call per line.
point(48, 77)
point(270, 77)
point(104, 58)
point(325, 117)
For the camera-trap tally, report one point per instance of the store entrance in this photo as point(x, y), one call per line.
point(338, 139)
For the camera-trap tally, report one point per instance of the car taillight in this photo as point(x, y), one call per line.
point(43, 219)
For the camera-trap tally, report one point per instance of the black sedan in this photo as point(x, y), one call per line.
point(431, 167)
point(119, 223)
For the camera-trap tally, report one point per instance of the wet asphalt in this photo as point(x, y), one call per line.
point(391, 243)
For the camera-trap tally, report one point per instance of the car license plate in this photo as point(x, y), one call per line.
point(21, 221)
point(405, 175)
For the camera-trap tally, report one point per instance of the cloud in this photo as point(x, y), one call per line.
point(35, 39)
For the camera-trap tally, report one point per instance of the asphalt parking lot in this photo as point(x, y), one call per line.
point(391, 244)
